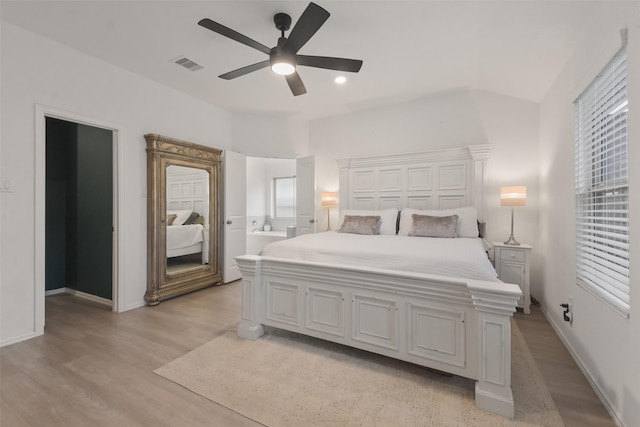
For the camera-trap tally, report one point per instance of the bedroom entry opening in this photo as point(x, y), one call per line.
point(79, 210)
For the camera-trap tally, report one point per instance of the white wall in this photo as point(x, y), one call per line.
point(449, 119)
point(605, 344)
point(256, 187)
point(273, 135)
point(36, 70)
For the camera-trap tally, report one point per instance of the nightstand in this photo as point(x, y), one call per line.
point(513, 265)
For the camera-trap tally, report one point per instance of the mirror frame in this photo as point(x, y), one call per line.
point(163, 152)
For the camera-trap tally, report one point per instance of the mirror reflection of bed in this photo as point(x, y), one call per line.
point(187, 217)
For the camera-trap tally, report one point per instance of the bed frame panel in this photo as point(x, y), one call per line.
point(187, 250)
point(460, 326)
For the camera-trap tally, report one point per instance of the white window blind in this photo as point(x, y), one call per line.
point(602, 186)
point(284, 197)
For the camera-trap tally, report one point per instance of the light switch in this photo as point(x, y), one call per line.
point(6, 186)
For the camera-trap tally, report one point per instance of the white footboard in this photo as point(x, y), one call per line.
point(459, 326)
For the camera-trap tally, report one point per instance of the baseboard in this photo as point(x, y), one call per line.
point(18, 339)
point(583, 369)
point(100, 300)
point(135, 305)
point(80, 294)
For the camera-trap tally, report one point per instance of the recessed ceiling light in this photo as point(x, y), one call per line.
point(340, 79)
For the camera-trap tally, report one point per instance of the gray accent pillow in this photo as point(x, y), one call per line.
point(170, 218)
point(356, 224)
point(192, 218)
point(434, 226)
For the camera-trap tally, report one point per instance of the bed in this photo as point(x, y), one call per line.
point(185, 234)
point(184, 239)
point(441, 314)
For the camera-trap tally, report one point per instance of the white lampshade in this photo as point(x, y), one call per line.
point(513, 196)
point(329, 199)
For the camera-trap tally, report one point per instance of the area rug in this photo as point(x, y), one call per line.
point(286, 379)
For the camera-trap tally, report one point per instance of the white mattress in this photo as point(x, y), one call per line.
point(182, 236)
point(461, 257)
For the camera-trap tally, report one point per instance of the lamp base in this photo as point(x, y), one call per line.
point(328, 220)
point(512, 241)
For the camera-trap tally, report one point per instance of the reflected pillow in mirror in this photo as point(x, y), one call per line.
point(181, 216)
point(434, 226)
point(171, 218)
point(192, 218)
point(360, 224)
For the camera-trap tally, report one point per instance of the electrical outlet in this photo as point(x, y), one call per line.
point(571, 313)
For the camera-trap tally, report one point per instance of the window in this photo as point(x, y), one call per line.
point(284, 197)
point(602, 186)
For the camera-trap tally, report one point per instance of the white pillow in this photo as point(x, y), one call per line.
point(388, 218)
point(467, 220)
point(181, 216)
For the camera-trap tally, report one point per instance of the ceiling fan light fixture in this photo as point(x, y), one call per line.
point(282, 62)
point(283, 68)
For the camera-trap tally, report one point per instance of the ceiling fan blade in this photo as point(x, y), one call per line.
point(234, 35)
point(295, 84)
point(330, 63)
point(310, 21)
point(244, 70)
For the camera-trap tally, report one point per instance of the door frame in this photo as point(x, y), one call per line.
point(41, 113)
point(232, 178)
point(306, 194)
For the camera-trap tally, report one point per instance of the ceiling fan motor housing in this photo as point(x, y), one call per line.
point(282, 21)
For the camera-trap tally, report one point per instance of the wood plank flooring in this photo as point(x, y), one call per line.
point(576, 401)
point(94, 367)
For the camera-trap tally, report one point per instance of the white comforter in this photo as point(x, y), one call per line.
point(182, 236)
point(461, 257)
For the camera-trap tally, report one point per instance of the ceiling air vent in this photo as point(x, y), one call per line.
point(187, 63)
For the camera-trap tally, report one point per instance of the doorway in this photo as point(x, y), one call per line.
point(79, 210)
point(118, 300)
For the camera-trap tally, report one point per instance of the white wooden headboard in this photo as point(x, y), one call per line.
point(436, 179)
point(187, 189)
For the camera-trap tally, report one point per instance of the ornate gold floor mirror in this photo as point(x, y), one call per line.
point(183, 217)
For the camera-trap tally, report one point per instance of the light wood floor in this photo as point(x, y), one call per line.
point(94, 367)
point(576, 401)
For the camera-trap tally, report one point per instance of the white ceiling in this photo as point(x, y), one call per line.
point(410, 49)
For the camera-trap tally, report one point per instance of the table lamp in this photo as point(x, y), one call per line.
point(329, 200)
point(513, 196)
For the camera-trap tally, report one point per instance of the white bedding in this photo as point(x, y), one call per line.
point(182, 236)
point(461, 257)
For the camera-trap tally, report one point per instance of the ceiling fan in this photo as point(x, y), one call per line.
point(284, 57)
